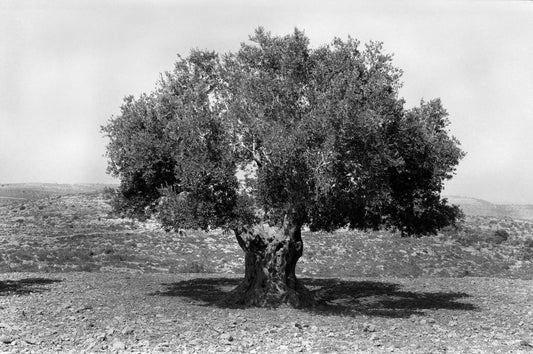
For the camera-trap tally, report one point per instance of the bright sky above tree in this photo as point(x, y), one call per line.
point(65, 67)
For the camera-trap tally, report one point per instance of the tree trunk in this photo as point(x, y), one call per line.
point(271, 255)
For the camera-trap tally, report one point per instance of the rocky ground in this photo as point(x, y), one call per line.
point(76, 278)
point(94, 312)
point(79, 233)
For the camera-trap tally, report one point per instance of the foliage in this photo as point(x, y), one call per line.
point(500, 236)
point(329, 139)
point(527, 250)
point(471, 234)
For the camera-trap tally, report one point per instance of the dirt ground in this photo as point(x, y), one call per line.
point(139, 313)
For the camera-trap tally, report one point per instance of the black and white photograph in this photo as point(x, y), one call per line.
point(233, 176)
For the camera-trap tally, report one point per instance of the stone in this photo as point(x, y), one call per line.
point(368, 327)
point(127, 330)
point(6, 339)
point(91, 344)
point(30, 340)
point(144, 343)
point(226, 337)
point(118, 345)
point(525, 343)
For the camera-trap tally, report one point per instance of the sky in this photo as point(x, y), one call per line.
point(65, 67)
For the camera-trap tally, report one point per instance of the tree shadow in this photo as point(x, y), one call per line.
point(25, 286)
point(334, 297)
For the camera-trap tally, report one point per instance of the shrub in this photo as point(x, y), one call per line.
point(527, 250)
point(499, 236)
point(134, 207)
point(174, 212)
point(467, 236)
point(109, 193)
point(193, 267)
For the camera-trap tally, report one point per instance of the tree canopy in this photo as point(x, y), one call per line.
point(324, 130)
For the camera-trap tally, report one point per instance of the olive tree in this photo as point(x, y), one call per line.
point(323, 133)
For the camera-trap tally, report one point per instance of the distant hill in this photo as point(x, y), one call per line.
point(480, 207)
point(13, 192)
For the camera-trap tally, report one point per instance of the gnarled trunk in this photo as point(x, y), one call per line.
point(271, 255)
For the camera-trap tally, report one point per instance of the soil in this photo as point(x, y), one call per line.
point(110, 312)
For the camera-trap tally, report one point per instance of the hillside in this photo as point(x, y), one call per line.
point(479, 207)
point(79, 232)
point(16, 192)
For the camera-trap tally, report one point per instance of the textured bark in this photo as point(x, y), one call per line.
point(270, 267)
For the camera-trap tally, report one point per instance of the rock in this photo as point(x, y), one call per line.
point(30, 340)
point(81, 308)
point(525, 343)
point(118, 345)
point(226, 337)
point(92, 343)
point(143, 343)
point(127, 331)
point(368, 327)
point(6, 339)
